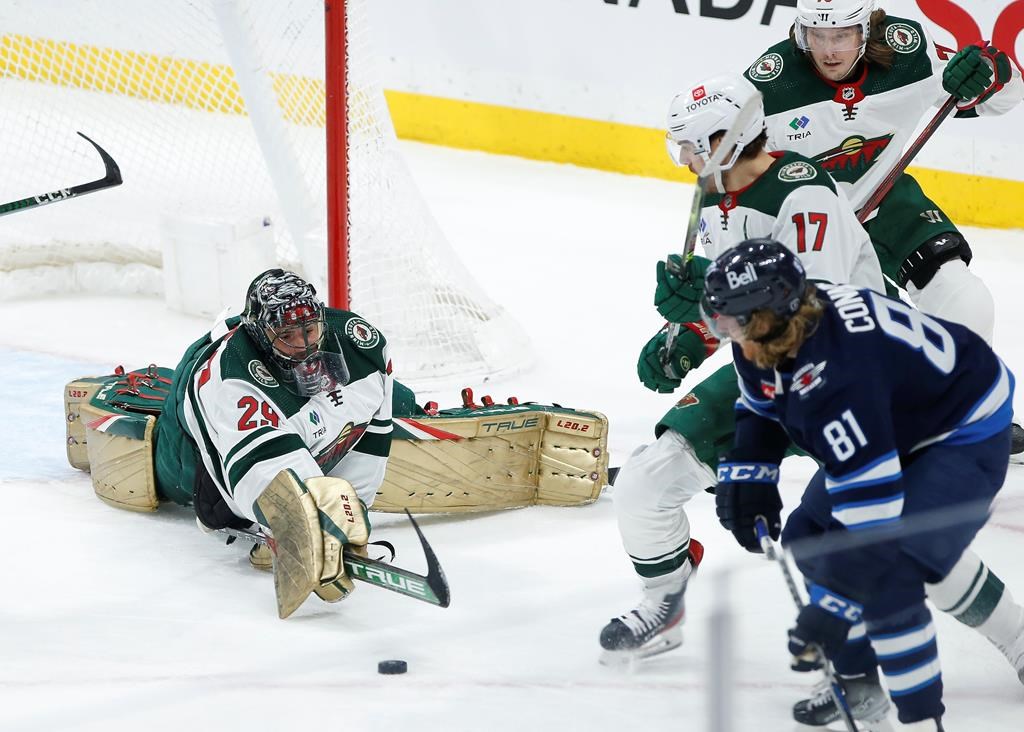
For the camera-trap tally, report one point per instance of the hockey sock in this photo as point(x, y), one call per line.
point(857, 657)
point(976, 597)
point(909, 657)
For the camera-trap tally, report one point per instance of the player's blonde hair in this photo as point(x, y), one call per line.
point(791, 333)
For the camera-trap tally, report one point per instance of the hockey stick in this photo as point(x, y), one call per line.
point(838, 694)
point(432, 588)
point(725, 146)
point(901, 165)
point(111, 178)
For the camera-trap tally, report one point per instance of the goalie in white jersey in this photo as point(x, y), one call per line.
point(282, 418)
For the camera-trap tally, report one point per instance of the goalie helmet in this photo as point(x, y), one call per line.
point(284, 317)
point(757, 274)
point(710, 107)
point(828, 14)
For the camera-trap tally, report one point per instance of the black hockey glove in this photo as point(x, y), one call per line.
point(821, 626)
point(678, 295)
point(745, 491)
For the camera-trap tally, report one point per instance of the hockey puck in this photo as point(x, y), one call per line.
point(392, 667)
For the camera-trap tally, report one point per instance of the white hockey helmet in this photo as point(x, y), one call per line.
point(709, 107)
point(830, 14)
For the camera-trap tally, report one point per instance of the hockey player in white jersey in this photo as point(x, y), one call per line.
point(909, 419)
point(760, 194)
point(282, 418)
point(786, 197)
point(847, 89)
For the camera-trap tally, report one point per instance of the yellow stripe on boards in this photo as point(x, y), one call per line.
point(612, 146)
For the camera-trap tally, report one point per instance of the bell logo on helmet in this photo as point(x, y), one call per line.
point(740, 279)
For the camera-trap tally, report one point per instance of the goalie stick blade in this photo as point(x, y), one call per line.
point(110, 179)
point(431, 588)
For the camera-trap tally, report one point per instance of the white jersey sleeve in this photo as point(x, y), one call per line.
point(244, 438)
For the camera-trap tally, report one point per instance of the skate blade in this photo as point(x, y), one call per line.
point(663, 643)
point(874, 724)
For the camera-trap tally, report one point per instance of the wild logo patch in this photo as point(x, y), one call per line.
point(902, 37)
point(797, 171)
point(362, 333)
point(261, 374)
point(766, 68)
point(847, 162)
point(687, 401)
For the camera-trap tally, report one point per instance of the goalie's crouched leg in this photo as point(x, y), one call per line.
point(310, 524)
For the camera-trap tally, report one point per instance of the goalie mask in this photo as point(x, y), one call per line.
point(709, 108)
point(757, 274)
point(285, 320)
point(832, 25)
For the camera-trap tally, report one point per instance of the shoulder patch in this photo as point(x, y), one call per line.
point(362, 333)
point(261, 374)
point(797, 171)
point(903, 38)
point(766, 68)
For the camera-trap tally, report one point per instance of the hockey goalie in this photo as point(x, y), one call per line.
point(285, 421)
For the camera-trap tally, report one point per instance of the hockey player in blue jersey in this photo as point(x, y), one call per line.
point(909, 418)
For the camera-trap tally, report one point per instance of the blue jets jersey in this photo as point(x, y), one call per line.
point(874, 383)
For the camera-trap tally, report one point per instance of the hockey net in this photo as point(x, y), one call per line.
point(215, 109)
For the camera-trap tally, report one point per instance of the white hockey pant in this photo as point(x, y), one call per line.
point(958, 295)
point(650, 492)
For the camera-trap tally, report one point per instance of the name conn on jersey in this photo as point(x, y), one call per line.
point(851, 307)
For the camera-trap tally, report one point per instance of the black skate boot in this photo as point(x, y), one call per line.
point(867, 699)
point(655, 625)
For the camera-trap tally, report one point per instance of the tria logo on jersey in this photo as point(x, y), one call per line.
point(740, 279)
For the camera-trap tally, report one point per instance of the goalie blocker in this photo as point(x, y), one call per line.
point(464, 459)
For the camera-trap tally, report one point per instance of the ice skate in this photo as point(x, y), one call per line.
point(1015, 654)
point(867, 699)
point(655, 625)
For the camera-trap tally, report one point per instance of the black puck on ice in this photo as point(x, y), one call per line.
point(392, 667)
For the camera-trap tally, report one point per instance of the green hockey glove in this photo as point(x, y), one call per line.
point(691, 347)
point(968, 75)
point(677, 296)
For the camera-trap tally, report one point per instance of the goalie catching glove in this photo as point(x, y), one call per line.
point(311, 523)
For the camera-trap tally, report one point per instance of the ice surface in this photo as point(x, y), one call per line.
point(118, 621)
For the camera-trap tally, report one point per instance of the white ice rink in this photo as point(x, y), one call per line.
point(118, 621)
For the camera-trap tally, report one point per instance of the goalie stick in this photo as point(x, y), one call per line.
point(746, 113)
point(432, 588)
point(111, 178)
point(838, 693)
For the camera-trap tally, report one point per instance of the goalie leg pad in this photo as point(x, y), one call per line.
point(499, 457)
point(119, 455)
point(77, 393)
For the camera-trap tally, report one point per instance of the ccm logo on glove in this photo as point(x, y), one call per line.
point(748, 473)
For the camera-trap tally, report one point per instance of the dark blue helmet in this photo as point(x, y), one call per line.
point(757, 274)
